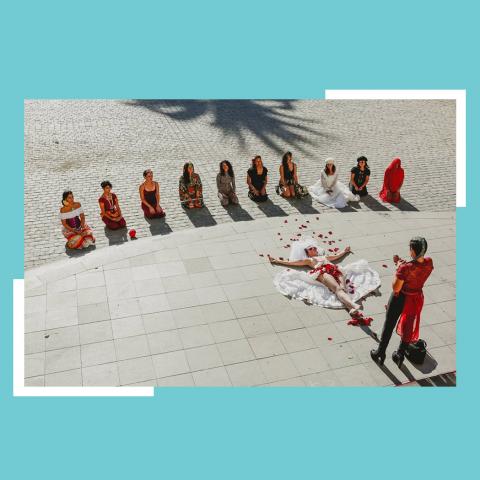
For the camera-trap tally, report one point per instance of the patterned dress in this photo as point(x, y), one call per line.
point(190, 191)
point(82, 237)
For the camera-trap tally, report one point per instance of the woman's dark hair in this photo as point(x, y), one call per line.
point(66, 193)
point(106, 183)
point(186, 176)
point(146, 172)
point(285, 158)
point(255, 158)
point(230, 168)
point(363, 159)
point(419, 246)
point(334, 168)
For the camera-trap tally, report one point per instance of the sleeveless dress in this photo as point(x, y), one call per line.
point(302, 285)
point(83, 236)
point(151, 198)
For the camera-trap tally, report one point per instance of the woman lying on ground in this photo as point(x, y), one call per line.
point(150, 196)
point(325, 284)
point(75, 230)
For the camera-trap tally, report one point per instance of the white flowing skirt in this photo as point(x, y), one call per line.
point(300, 285)
point(337, 199)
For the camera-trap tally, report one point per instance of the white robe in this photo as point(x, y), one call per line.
point(299, 284)
point(339, 195)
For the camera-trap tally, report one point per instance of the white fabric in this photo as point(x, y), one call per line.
point(299, 284)
point(72, 214)
point(297, 251)
point(328, 181)
point(339, 196)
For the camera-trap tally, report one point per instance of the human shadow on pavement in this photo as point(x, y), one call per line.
point(116, 237)
point(273, 124)
point(74, 253)
point(237, 213)
point(405, 206)
point(428, 365)
point(303, 205)
point(158, 226)
point(200, 217)
point(374, 205)
point(271, 210)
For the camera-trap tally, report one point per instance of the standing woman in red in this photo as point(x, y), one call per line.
point(406, 302)
point(150, 196)
point(392, 182)
point(110, 209)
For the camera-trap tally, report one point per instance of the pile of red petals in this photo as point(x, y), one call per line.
point(359, 319)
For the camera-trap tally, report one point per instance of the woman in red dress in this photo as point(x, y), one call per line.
point(406, 302)
point(150, 196)
point(392, 182)
point(110, 209)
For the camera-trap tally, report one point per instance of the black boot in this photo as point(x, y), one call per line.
point(378, 355)
point(399, 355)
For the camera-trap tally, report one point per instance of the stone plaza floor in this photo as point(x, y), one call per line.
point(198, 307)
point(75, 144)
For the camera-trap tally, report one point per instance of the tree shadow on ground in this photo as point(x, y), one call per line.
point(271, 210)
point(237, 213)
point(116, 237)
point(158, 226)
point(272, 124)
point(75, 253)
point(200, 217)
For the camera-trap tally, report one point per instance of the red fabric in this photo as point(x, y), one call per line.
point(329, 268)
point(414, 274)
point(392, 182)
point(111, 208)
point(147, 213)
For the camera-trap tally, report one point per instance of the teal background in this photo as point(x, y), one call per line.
point(248, 49)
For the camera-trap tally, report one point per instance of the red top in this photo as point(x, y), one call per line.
point(414, 275)
point(109, 207)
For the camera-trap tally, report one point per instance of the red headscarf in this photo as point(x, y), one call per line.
point(392, 182)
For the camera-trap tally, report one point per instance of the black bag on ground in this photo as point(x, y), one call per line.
point(416, 352)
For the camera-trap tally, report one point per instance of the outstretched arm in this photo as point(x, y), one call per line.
point(339, 255)
point(299, 263)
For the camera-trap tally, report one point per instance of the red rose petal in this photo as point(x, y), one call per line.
point(336, 249)
point(308, 221)
point(261, 255)
point(280, 258)
point(318, 218)
point(385, 266)
point(320, 235)
point(299, 234)
point(285, 221)
point(278, 233)
point(330, 233)
point(330, 338)
point(330, 250)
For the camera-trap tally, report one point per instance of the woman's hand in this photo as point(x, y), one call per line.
point(151, 210)
point(272, 260)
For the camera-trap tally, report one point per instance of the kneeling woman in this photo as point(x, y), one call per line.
point(288, 186)
point(325, 284)
point(392, 182)
point(226, 184)
point(406, 302)
point(257, 179)
point(150, 196)
point(110, 209)
point(190, 188)
point(75, 230)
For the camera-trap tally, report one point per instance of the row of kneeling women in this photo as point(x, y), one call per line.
point(327, 190)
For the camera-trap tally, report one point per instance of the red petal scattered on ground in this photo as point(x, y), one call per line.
point(285, 221)
point(336, 249)
point(385, 266)
point(318, 218)
point(299, 234)
point(330, 250)
point(278, 233)
point(296, 219)
point(288, 245)
point(330, 233)
point(330, 338)
point(320, 235)
point(261, 255)
point(308, 221)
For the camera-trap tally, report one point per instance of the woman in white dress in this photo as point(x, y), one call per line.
point(325, 284)
point(329, 191)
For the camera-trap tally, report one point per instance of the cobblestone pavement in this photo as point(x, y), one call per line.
point(75, 144)
point(199, 307)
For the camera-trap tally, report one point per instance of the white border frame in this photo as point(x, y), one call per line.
point(461, 121)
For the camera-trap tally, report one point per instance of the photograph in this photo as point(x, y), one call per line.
point(214, 243)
